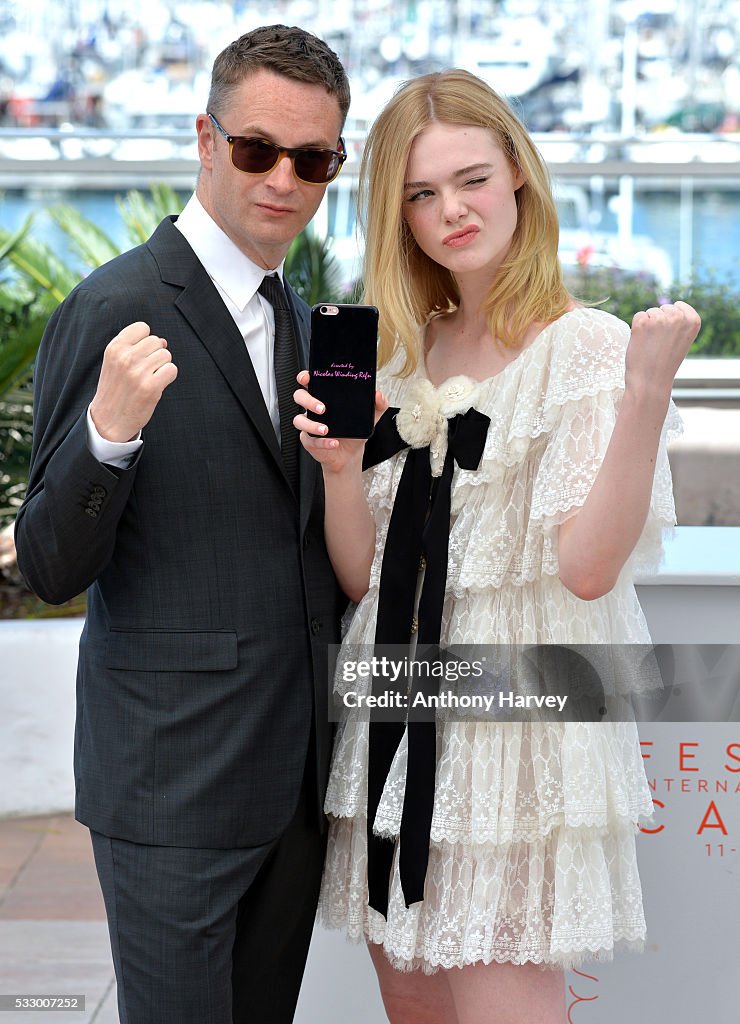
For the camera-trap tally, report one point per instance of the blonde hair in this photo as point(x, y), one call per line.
point(406, 285)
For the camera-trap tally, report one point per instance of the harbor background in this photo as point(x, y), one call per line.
point(634, 103)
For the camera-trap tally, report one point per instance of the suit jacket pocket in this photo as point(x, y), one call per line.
point(176, 650)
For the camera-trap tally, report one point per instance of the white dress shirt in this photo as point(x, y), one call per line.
point(236, 279)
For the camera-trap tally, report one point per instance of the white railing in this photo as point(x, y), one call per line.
point(92, 155)
point(599, 180)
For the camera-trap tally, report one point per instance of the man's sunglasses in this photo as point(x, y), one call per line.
point(257, 156)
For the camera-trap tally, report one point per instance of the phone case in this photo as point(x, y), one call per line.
point(342, 363)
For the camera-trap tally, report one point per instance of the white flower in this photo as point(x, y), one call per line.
point(420, 423)
point(419, 419)
point(458, 394)
point(422, 419)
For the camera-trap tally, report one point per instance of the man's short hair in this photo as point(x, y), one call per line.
point(291, 52)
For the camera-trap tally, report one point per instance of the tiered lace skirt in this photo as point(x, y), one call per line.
point(532, 857)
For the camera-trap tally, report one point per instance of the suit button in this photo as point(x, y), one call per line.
point(91, 512)
point(99, 492)
point(315, 627)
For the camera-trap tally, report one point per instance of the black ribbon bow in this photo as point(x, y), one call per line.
point(419, 528)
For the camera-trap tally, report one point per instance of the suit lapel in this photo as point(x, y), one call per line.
point(216, 329)
point(202, 307)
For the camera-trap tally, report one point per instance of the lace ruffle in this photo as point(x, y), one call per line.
point(501, 783)
point(571, 896)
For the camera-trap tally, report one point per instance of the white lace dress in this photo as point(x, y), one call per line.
point(532, 854)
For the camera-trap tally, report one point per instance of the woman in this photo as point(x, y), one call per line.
point(529, 858)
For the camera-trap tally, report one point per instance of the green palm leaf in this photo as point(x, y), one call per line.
point(22, 318)
point(312, 270)
point(16, 421)
point(41, 267)
point(142, 213)
point(90, 242)
point(12, 239)
point(18, 351)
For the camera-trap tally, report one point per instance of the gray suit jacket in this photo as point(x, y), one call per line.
point(211, 599)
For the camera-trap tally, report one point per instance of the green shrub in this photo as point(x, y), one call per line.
point(718, 304)
point(22, 319)
point(624, 294)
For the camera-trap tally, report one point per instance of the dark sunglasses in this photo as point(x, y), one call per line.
point(257, 156)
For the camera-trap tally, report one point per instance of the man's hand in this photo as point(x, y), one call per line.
point(137, 367)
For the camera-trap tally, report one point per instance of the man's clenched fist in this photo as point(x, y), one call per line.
point(137, 367)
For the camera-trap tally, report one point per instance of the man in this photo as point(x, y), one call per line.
point(164, 480)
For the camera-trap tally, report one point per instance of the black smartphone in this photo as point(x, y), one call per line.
point(342, 364)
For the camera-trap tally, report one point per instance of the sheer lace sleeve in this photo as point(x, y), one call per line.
point(582, 403)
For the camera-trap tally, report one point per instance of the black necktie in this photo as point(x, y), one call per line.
point(286, 368)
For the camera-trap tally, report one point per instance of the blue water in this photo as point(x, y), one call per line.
point(100, 207)
point(715, 231)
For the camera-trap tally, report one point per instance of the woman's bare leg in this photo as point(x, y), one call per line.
point(412, 997)
point(507, 994)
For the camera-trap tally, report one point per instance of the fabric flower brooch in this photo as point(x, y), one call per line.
point(422, 419)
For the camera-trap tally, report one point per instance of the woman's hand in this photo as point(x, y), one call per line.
point(349, 527)
point(334, 453)
point(660, 340)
